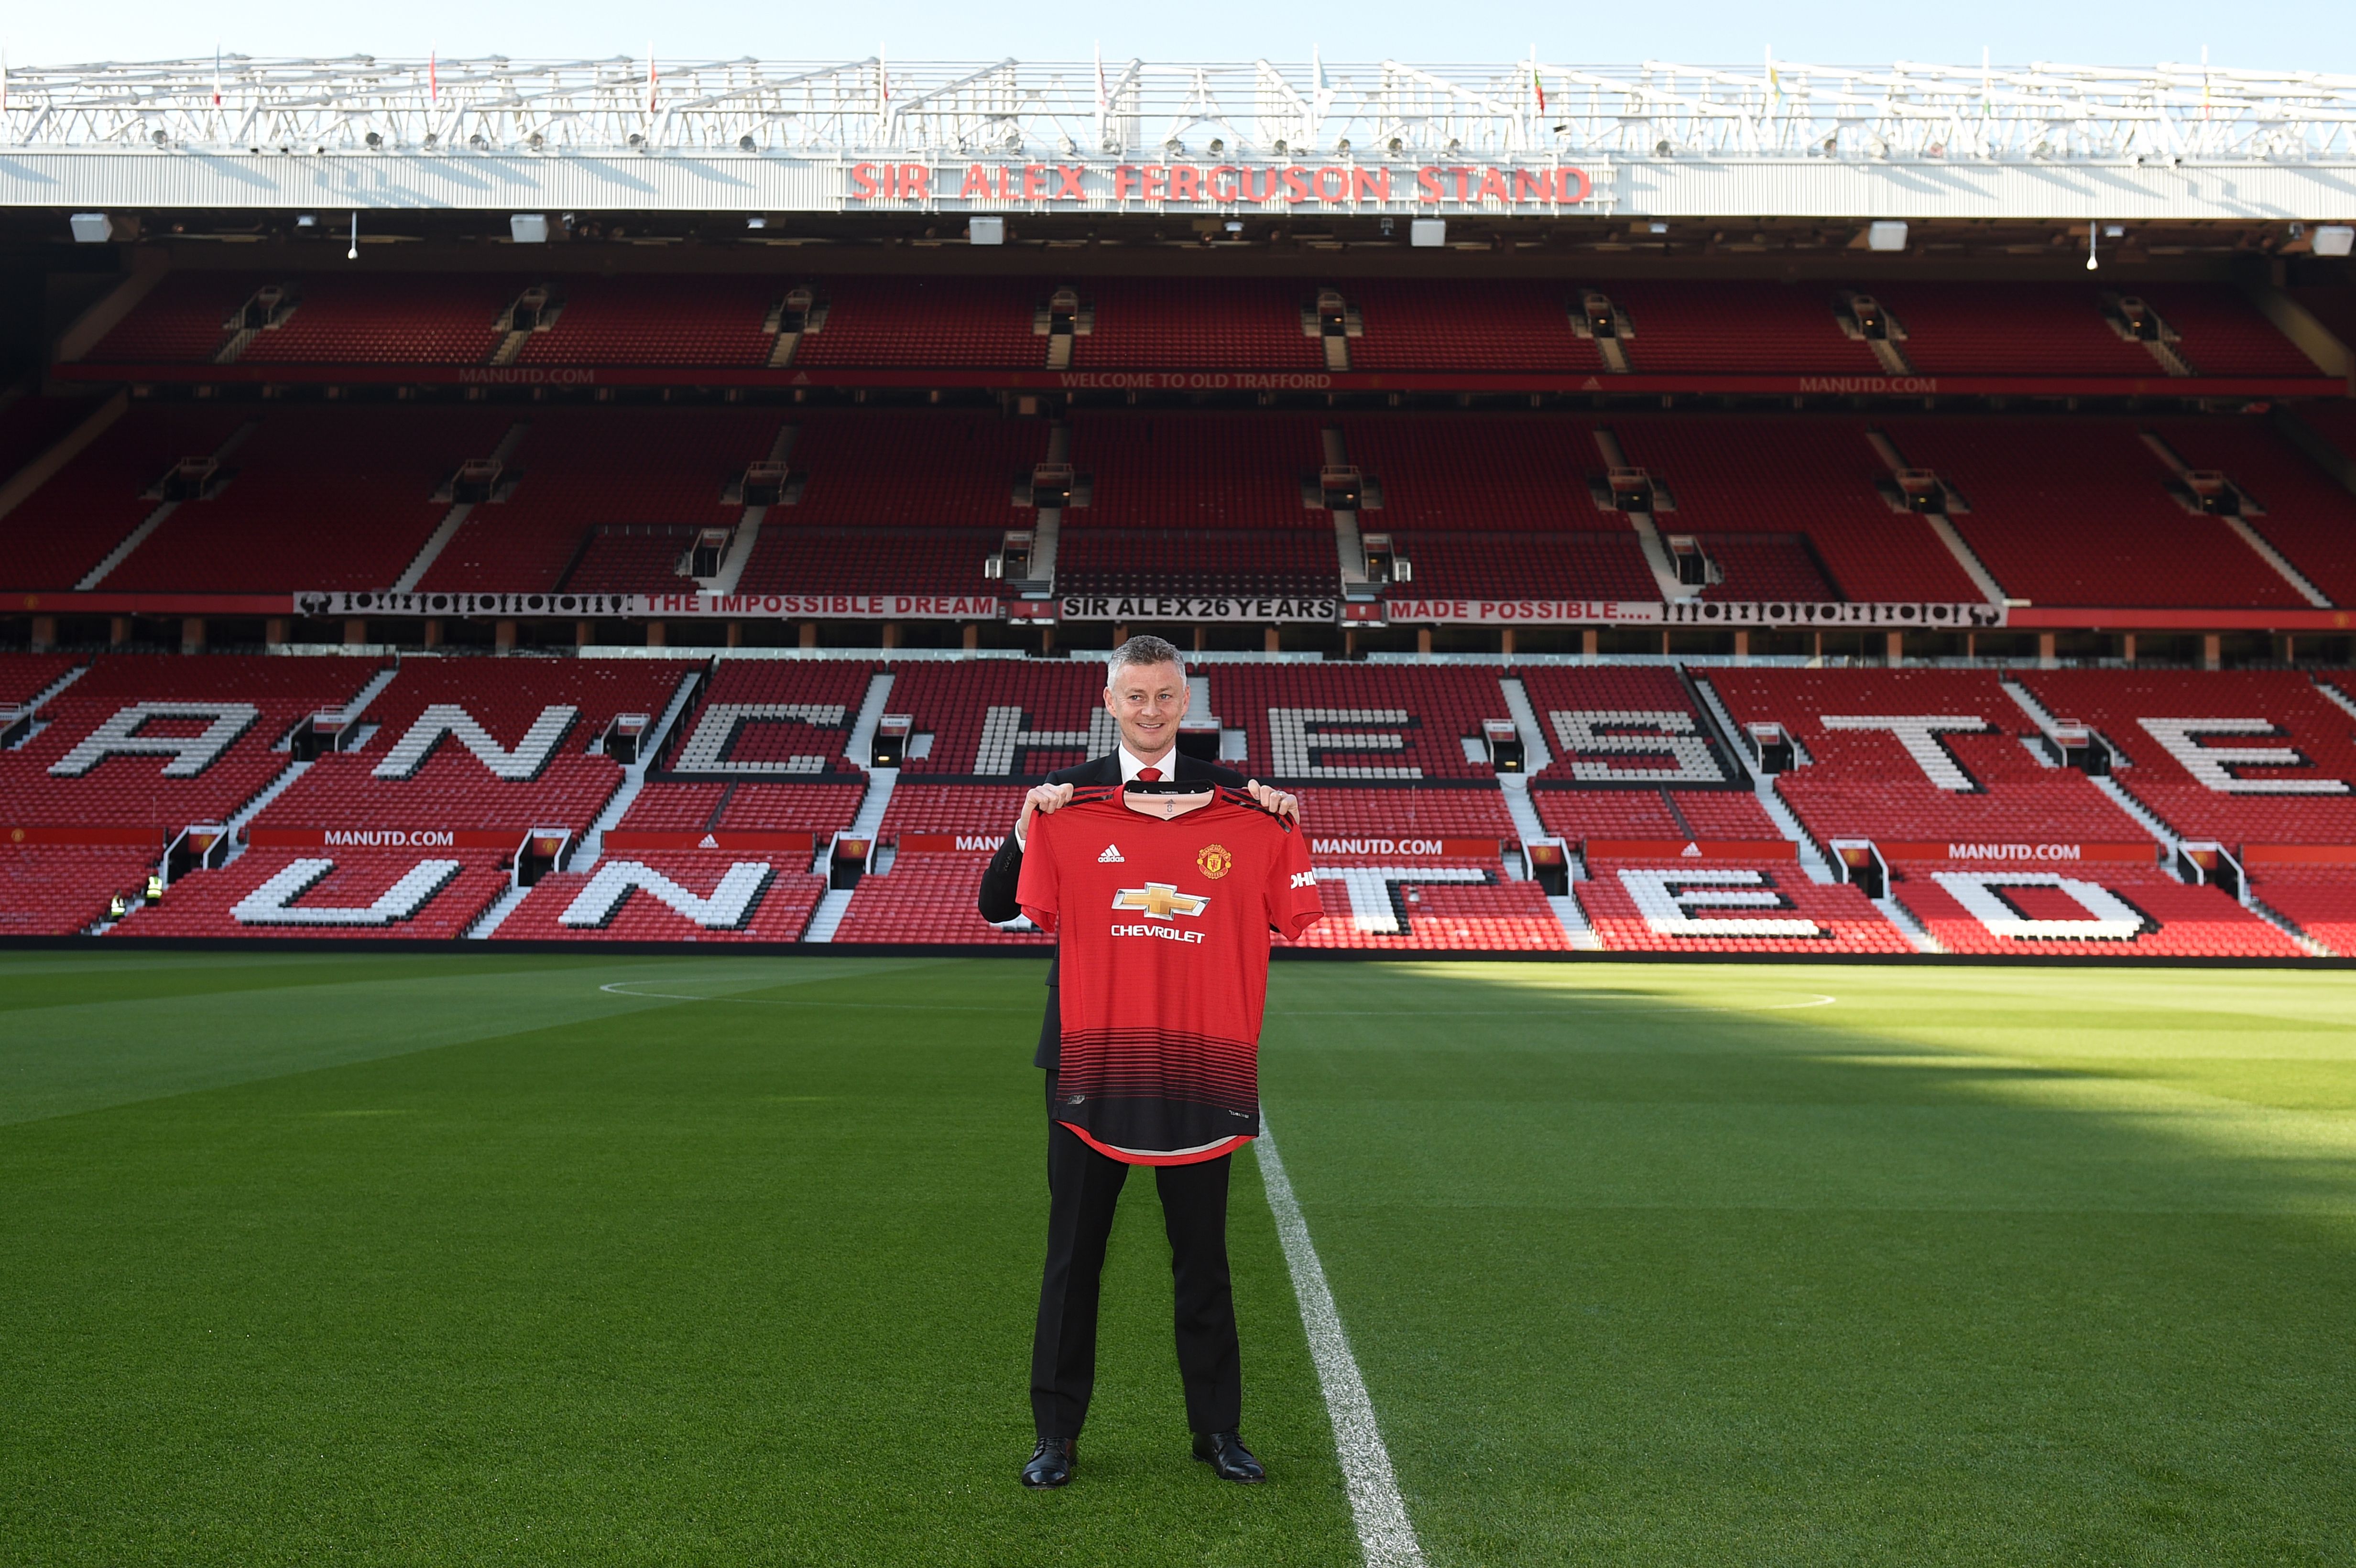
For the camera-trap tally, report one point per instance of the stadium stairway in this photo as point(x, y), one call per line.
point(1516, 788)
point(156, 518)
point(828, 917)
point(592, 839)
point(455, 517)
point(1812, 856)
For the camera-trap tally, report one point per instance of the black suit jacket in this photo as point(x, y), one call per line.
point(998, 882)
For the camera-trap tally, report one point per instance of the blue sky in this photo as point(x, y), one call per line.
point(2310, 34)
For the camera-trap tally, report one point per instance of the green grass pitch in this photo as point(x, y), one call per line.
point(435, 1259)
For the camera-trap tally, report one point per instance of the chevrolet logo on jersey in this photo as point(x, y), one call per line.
point(1159, 900)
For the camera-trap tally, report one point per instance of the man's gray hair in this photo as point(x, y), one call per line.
point(1144, 651)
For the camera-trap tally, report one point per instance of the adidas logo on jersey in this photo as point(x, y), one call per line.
point(1111, 857)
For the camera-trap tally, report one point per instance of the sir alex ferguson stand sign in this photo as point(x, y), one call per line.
point(1224, 188)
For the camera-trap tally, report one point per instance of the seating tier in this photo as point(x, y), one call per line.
point(1643, 906)
point(2307, 794)
point(453, 788)
point(59, 890)
point(2137, 911)
point(778, 912)
point(928, 896)
point(205, 903)
point(128, 790)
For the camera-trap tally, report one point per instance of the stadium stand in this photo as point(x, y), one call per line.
point(975, 810)
point(421, 894)
point(2307, 516)
point(1207, 562)
point(67, 528)
point(356, 320)
point(761, 718)
point(180, 320)
point(1330, 813)
point(2222, 333)
point(1729, 906)
point(2073, 512)
point(654, 321)
point(671, 897)
point(819, 809)
point(1173, 324)
point(1744, 327)
point(2238, 756)
point(796, 558)
point(897, 501)
point(1357, 723)
point(59, 890)
point(1868, 780)
point(1195, 470)
point(1004, 718)
point(1800, 478)
point(1477, 328)
point(908, 468)
point(320, 497)
point(2319, 899)
point(578, 468)
point(2013, 328)
point(879, 322)
point(1441, 904)
point(161, 742)
point(29, 426)
point(928, 896)
point(1496, 506)
point(528, 764)
point(1597, 721)
point(25, 676)
point(2091, 910)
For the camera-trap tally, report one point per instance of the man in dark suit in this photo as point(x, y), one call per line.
point(1145, 692)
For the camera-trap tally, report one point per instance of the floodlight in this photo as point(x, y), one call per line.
point(529, 228)
point(2332, 239)
point(745, 144)
point(1426, 231)
point(985, 232)
point(376, 141)
point(159, 138)
point(1888, 234)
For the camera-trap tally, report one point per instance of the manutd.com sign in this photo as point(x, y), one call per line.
point(1224, 187)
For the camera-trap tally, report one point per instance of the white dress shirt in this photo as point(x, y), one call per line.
point(1130, 766)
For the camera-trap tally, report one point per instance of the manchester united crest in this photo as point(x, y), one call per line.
point(1214, 862)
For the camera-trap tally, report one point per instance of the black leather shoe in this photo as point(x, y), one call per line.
point(1228, 1458)
point(1051, 1463)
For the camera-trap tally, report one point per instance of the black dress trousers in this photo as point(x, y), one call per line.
point(1083, 1189)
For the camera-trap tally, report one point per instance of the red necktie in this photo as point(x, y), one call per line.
point(1150, 775)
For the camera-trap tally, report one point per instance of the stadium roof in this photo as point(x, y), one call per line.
point(1775, 139)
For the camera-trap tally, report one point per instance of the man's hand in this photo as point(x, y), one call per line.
point(1042, 797)
point(1274, 800)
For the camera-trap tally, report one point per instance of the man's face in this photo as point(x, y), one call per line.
point(1147, 701)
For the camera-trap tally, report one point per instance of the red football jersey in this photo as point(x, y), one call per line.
point(1162, 938)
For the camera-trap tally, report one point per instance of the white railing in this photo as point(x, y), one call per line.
point(1135, 109)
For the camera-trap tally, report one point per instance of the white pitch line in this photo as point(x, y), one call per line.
point(1385, 1532)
